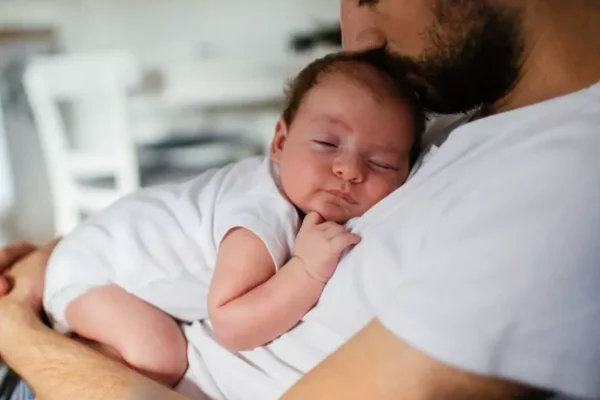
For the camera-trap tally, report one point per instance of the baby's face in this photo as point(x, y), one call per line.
point(346, 149)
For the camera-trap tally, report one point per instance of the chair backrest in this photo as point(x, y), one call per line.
point(100, 143)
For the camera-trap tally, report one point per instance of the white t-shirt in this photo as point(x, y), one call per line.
point(161, 243)
point(487, 259)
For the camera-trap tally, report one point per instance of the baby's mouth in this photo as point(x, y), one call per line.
point(343, 195)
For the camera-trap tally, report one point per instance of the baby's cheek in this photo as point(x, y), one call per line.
point(377, 191)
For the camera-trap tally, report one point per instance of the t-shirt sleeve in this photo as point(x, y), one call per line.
point(506, 282)
point(268, 215)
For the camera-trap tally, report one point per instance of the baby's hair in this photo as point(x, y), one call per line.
point(312, 75)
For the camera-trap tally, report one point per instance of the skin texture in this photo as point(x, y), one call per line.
point(560, 42)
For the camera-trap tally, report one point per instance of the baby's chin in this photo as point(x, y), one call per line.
point(335, 213)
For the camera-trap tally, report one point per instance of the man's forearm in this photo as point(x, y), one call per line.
point(59, 368)
point(375, 364)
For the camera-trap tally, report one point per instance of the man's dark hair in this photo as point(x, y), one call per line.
point(312, 75)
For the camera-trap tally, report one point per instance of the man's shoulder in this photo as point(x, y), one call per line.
point(521, 185)
point(533, 147)
point(516, 185)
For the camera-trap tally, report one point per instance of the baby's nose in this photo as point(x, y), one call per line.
point(350, 170)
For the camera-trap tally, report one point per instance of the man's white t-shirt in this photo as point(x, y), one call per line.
point(493, 249)
point(487, 259)
point(161, 243)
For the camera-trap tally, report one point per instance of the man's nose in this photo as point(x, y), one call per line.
point(349, 169)
point(364, 40)
point(359, 28)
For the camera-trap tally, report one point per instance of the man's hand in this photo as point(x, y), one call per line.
point(319, 245)
point(15, 315)
point(8, 256)
point(55, 366)
point(22, 268)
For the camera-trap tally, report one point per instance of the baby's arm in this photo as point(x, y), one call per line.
point(144, 337)
point(249, 304)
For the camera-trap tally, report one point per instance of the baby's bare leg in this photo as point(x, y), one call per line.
point(145, 337)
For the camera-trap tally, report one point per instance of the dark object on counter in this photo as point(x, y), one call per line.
point(330, 36)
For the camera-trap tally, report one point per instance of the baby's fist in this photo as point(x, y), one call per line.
point(319, 245)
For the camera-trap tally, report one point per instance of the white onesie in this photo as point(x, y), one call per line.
point(160, 244)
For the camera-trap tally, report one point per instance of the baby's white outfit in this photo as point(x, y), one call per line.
point(160, 244)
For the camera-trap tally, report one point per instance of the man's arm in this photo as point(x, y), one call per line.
point(8, 256)
point(375, 364)
point(57, 367)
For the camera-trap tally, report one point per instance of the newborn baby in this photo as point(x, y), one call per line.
point(249, 246)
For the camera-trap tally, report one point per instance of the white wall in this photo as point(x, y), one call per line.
point(156, 29)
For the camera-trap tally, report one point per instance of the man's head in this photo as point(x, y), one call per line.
point(348, 136)
point(461, 53)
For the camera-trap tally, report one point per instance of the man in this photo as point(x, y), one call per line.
point(480, 276)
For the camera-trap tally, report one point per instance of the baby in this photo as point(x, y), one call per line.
point(228, 244)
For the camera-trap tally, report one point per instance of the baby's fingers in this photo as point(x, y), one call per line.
point(342, 241)
point(312, 219)
point(333, 231)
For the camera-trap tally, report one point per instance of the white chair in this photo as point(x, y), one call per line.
point(100, 145)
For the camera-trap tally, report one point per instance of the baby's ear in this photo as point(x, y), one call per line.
point(278, 143)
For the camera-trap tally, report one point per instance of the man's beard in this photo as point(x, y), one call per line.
point(472, 59)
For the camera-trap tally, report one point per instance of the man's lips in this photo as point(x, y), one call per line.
point(342, 195)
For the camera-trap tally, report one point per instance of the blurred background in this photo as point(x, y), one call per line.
point(99, 98)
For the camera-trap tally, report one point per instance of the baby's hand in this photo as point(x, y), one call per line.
point(319, 245)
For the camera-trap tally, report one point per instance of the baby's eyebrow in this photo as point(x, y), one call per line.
point(333, 120)
point(387, 148)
